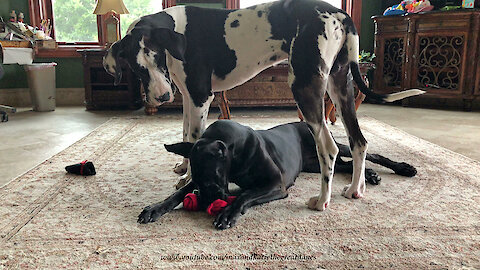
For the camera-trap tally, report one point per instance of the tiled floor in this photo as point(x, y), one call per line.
point(31, 137)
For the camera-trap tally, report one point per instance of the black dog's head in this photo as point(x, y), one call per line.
point(147, 46)
point(210, 165)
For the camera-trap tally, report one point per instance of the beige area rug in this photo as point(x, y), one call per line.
point(49, 219)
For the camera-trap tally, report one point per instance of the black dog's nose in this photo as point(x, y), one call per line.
point(164, 97)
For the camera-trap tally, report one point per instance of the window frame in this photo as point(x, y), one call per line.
point(354, 9)
point(43, 9)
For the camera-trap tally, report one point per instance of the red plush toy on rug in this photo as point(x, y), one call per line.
point(190, 203)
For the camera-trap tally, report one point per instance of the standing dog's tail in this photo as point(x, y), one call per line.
point(357, 77)
point(352, 46)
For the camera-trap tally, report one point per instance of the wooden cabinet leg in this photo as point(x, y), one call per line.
point(332, 116)
point(359, 99)
point(223, 104)
point(330, 110)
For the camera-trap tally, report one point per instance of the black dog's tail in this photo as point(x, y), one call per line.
point(357, 77)
point(400, 168)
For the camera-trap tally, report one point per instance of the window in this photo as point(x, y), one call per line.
point(137, 8)
point(74, 21)
point(76, 27)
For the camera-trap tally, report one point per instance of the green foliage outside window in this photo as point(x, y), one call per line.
point(75, 21)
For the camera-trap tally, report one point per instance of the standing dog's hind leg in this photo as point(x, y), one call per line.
point(341, 92)
point(310, 101)
point(308, 75)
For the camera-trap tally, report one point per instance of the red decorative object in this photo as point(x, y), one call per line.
point(190, 202)
point(217, 206)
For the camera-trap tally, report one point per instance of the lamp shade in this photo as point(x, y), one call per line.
point(105, 6)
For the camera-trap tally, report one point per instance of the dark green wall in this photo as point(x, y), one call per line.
point(69, 74)
point(367, 31)
point(4, 8)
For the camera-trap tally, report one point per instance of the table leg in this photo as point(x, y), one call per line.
point(223, 104)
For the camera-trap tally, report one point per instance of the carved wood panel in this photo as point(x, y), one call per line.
point(440, 61)
point(393, 58)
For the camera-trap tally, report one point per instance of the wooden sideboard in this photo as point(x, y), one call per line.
point(100, 93)
point(436, 51)
point(269, 88)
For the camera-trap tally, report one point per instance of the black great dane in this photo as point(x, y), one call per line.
point(263, 163)
point(200, 51)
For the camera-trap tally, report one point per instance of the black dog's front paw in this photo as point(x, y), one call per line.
point(227, 218)
point(405, 169)
point(151, 214)
point(372, 177)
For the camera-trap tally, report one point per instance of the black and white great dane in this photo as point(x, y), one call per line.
point(262, 163)
point(201, 51)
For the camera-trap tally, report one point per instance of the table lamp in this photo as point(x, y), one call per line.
point(111, 7)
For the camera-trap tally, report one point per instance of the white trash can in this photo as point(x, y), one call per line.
point(41, 80)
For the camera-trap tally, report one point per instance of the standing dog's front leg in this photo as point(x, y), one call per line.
point(341, 92)
point(152, 212)
point(197, 116)
point(181, 168)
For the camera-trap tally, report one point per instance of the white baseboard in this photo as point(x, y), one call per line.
point(20, 97)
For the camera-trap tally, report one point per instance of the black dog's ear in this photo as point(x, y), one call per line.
point(182, 149)
point(222, 148)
